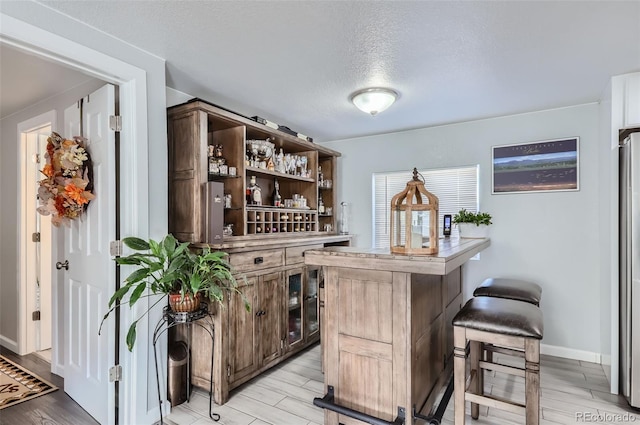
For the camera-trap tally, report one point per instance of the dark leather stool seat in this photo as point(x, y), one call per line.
point(514, 326)
point(513, 289)
point(501, 316)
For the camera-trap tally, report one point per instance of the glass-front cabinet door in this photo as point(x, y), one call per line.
point(311, 322)
point(295, 306)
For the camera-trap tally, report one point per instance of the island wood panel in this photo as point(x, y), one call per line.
point(365, 305)
point(427, 332)
point(364, 363)
point(425, 294)
point(452, 299)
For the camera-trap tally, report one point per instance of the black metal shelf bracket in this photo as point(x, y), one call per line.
point(328, 402)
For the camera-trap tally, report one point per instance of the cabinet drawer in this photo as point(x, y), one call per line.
point(256, 260)
point(295, 254)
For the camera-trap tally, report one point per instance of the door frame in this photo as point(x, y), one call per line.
point(26, 326)
point(132, 82)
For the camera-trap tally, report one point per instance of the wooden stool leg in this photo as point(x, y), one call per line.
point(474, 360)
point(532, 380)
point(489, 354)
point(459, 371)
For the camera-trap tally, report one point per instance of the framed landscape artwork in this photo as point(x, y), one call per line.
point(536, 166)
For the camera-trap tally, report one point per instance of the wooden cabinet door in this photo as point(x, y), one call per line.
point(269, 318)
point(243, 359)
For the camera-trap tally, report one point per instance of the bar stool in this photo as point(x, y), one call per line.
point(512, 289)
point(507, 323)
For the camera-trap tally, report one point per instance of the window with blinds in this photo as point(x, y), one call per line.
point(456, 188)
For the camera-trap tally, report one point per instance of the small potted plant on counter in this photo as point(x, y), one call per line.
point(472, 225)
point(170, 267)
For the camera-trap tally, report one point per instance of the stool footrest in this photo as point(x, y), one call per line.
point(497, 367)
point(503, 350)
point(497, 402)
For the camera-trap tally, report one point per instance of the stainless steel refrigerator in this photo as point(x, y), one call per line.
point(629, 222)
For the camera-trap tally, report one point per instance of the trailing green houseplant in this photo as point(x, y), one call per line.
point(170, 267)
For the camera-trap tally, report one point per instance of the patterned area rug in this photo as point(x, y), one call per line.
point(18, 384)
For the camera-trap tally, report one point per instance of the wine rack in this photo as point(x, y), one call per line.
point(261, 220)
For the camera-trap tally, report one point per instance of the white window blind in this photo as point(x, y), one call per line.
point(456, 188)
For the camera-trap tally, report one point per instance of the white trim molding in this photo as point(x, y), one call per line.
point(570, 353)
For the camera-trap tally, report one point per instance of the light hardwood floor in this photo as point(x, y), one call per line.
point(573, 392)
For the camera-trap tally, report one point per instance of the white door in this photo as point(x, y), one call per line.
point(90, 279)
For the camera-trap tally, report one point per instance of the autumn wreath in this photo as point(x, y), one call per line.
point(67, 188)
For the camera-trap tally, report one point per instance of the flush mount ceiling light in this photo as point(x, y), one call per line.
point(374, 100)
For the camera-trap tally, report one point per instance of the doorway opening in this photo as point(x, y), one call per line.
point(36, 250)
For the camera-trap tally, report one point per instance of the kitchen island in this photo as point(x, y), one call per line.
point(386, 328)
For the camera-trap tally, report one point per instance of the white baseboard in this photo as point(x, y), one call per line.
point(570, 353)
point(9, 343)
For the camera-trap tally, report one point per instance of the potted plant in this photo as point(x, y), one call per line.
point(472, 225)
point(170, 267)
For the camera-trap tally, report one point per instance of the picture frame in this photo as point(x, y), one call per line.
point(542, 166)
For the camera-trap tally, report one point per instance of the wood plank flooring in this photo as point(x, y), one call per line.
point(572, 392)
point(55, 408)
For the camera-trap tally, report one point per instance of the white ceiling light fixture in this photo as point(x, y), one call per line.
point(374, 100)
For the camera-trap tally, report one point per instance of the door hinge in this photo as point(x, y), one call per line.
point(228, 370)
point(115, 248)
point(115, 122)
point(115, 373)
point(35, 237)
point(35, 316)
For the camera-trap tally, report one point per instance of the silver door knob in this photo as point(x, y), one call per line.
point(62, 265)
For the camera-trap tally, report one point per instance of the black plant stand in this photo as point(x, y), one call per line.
point(171, 319)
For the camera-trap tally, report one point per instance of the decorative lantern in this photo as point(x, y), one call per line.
point(414, 220)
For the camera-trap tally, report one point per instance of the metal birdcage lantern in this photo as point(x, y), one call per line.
point(414, 220)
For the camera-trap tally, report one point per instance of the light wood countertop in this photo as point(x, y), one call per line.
point(453, 253)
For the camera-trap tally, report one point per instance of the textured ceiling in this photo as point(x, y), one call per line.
point(297, 62)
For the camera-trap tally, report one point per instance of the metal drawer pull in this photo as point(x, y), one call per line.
point(327, 402)
point(258, 260)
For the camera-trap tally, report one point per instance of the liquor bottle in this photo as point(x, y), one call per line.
point(320, 176)
point(320, 204)
point(256, 192)
point(250, 191)
point(277, 198)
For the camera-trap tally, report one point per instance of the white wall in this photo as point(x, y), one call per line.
point(551, 238)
